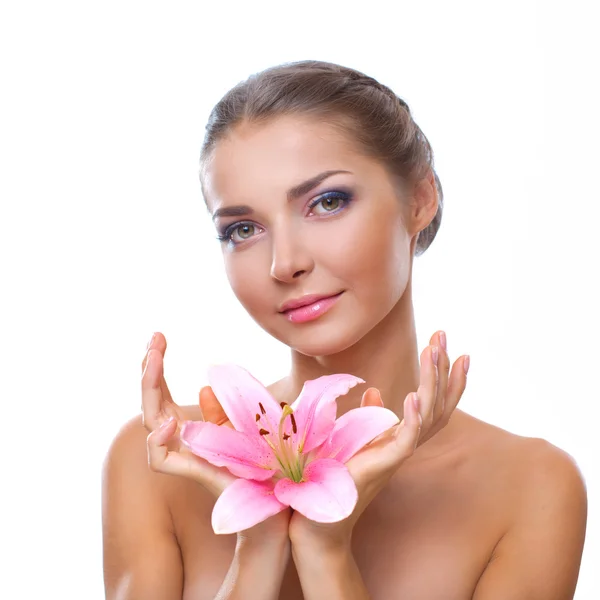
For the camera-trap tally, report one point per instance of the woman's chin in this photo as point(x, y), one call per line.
point(324, 341)
point(319, 350)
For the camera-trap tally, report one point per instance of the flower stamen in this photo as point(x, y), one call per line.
point(295, 471)
point(292, 464)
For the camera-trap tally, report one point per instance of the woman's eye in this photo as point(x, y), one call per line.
point(330, 203)
point(245, 231)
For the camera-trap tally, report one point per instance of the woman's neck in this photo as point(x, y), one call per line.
point(386, 358)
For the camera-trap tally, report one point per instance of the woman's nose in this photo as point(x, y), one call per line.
point(291, 258)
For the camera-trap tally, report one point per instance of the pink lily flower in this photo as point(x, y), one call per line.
point(283, 455)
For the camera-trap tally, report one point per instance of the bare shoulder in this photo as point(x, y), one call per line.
point(129, 487)
point(140, 553)
point(129, 454)
point(132, 433)
point(141, 550)
point(536, 462)
point(539, 504)
point(551, 481)
point(544, 494)
point(531, 477)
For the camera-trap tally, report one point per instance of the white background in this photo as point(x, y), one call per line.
point(104, 237)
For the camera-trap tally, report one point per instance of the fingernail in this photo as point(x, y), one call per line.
point(151, 340)
point(467, 363)
point(166, 423)
point(434, 355)
point(416, 405)
point(415, 400)
point(443, 340)
point(147, 359)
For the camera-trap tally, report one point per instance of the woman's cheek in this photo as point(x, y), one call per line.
point(247, 278)
point(378, 256)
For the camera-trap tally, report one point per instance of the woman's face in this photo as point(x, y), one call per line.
point(345, 235)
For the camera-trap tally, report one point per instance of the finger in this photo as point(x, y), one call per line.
point(427, 390)
point(159, 342)
point(371, 397)
point(155, 409)
point(407, 435)
point(152, 398)
point(211, 407)
point(157, 444)
point(183, 464)
point(456, 386)
point(393, 447)
point(372, 466)
point(443, 368)
point(155, 343)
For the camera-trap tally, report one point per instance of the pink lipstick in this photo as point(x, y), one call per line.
point(308, 309)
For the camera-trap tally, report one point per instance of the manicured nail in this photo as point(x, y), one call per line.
point(415, 399)
point(166, 423)
point(151, 340)
point(146, 366)
point(416, 405)
point(434, 355)
point(443, 340)
point(467, 363)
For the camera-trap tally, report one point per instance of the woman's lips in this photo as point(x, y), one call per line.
point(311, 311)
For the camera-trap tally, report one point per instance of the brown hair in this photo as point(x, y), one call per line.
point(359, 105)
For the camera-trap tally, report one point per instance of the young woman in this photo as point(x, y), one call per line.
point(322, 190)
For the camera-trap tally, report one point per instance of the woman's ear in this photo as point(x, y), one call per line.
point(425, 203)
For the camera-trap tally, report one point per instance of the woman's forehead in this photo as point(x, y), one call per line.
point(276, 155)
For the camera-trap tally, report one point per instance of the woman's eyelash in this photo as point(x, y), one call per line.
point(329, 195)
point(225, 234)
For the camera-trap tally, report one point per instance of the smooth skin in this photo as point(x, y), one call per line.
point(449, 507)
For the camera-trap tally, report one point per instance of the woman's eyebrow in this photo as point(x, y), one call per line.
point(309, 184)
point(293, 193)
point(232, 211)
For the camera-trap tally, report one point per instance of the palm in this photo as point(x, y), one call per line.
point(167, 454)
point(162, 407)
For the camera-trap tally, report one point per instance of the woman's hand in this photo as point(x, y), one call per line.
point(166, 454)
point(426, 412)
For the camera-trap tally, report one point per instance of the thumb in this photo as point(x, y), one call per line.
point(400, 441)
point(211, 408)
point(371, 397)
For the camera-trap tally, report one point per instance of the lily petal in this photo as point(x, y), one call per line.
point(315, 408)
point(327, 494)
point(241, 396)
point(246, 456)
point(244, 504)
point(354, 429)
